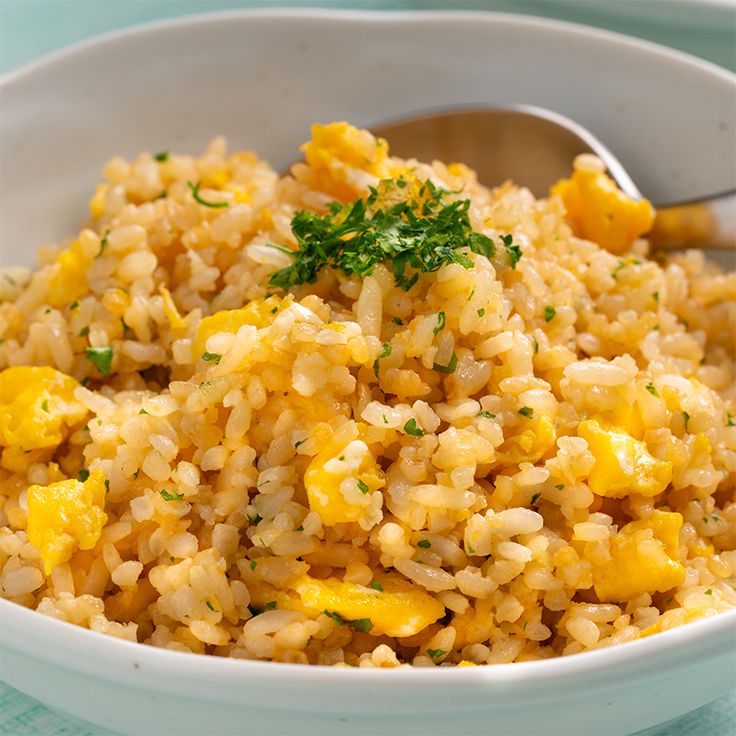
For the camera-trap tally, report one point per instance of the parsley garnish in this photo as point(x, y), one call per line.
point(709, 592)
point(411, 428)
point(652, 389)
point(103, 244)
point(101, 358)
point(416, 235)
point(487, 414)
point(84, 331)
point(45, 405)
point(171, 496)
point(481, 312)
point(560, 486)
point(107, 485)
point(161, 156)
point(514, 251)
point(526, 411)
point(441, 322)
point(436, 653)
point(255, 519)
point(655, 296)
point(74, 305)
point(210, 606)
point(253, 564)
point(424, 543)
point(549, 313)
point(449, 368)
point(536, 345)
point(730, 422)
point(377, 586)
point(385, 352)
point(142, 411)
point(686, 417)
point(363, 487)
point(398, 321)
point(198, 198)
point(535, 498)
point(359, 624)
point(212, 356)
point(83, 474)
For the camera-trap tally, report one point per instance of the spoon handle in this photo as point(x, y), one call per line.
point(704, 223)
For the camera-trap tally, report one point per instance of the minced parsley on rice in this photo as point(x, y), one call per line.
point(514, 444)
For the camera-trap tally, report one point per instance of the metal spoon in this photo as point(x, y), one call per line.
point(535, 147)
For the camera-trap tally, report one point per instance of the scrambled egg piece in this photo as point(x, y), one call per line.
point(341, 480)
point(37, 407)
point(530, 445)
point(66, 516)
point(69, 280)
point(346, 160)
point(599, 211)
point(399, 609)
point(645, 559)
point(258, 313)
point(623, 465)
point(176, 321)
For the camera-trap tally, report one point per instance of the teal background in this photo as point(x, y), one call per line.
point(32, 28)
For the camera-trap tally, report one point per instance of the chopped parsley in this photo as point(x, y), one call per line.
point(441, 322)
point(535, 498)
point(398, 321)
point(652, 389)
point(107, 485)
point(171, 496)
point(212, 356)
point(210, 606)
point(709, 592)
point(359, 624)
point(377, 586)
point(417, 234)
point(487, 414)
point(253, 564)
point(363, 487)
point(411, 428)
point(84, 331)
point(424, 543)
point(385, 352)
point(536, 345)
point(101, 358)
point(481, 312)
point(83, 474)
point(514, 252)
point(161, 156)
point(549, 313)
point(526, 411)
point(142, 411)
point(198, 198)
point(449, 368)
point(686, 417)
point(103, 244)
point(268, 607)
point(655, 296)
point(255, 519)
point(45, 405)
point(73, 305)
point(729, 420)
point(436, 653)
point(560, 486)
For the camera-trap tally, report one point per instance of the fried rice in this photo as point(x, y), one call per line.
point(529, 451)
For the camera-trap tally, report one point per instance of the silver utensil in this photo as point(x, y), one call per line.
point(535, 147)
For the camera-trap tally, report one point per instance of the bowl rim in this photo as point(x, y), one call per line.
point(99, 648)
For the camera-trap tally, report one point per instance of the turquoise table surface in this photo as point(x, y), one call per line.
point(31, 28)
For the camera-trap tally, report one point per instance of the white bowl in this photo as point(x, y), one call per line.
point(261, 78)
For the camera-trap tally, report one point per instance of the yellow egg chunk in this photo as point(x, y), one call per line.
point(341, 480)
point(645, 559)
point(66, 516)
point(400, 609)
point(530, 445)
point(623, 465)
point(259, 313)
point(599, 211)
point(37, 407)
point(345, 160)
point(69, 280)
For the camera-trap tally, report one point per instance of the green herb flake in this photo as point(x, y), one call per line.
point(398, 321)
point(101, 358)
point(385, 352)
point(161, 156)
point(526, 411)
point(255, 519)
point(441, 322)
point(171, 496)
point(549, 313)
point(481, 312)
point(652, 389)
point(377, 586)
point(211, 607)
point(253, 564)
point(411, 428)
point(198, 198)
point(73, 305)
point(535, 498)
point(359, 624)
point(142, 411)
point(107, 485)
point(470, 549)
point(385, 418)
point(363, 487)
point(424, 543)
point(449, 368)
point(514, 252)
point(487, 414)
point(436, 654)
point(560, 486)
point(729, 420)
point(269, 606)
point(137, 472)
point(686, 417)
point(414, 235)
point(655, 296)
point(47, 310)
point(212, 356)
point(103, 244)
point(45, 405)
point(83, 474)
point(709, 591)
point(84, 331)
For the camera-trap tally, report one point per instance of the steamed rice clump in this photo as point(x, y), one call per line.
point(527, 455)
